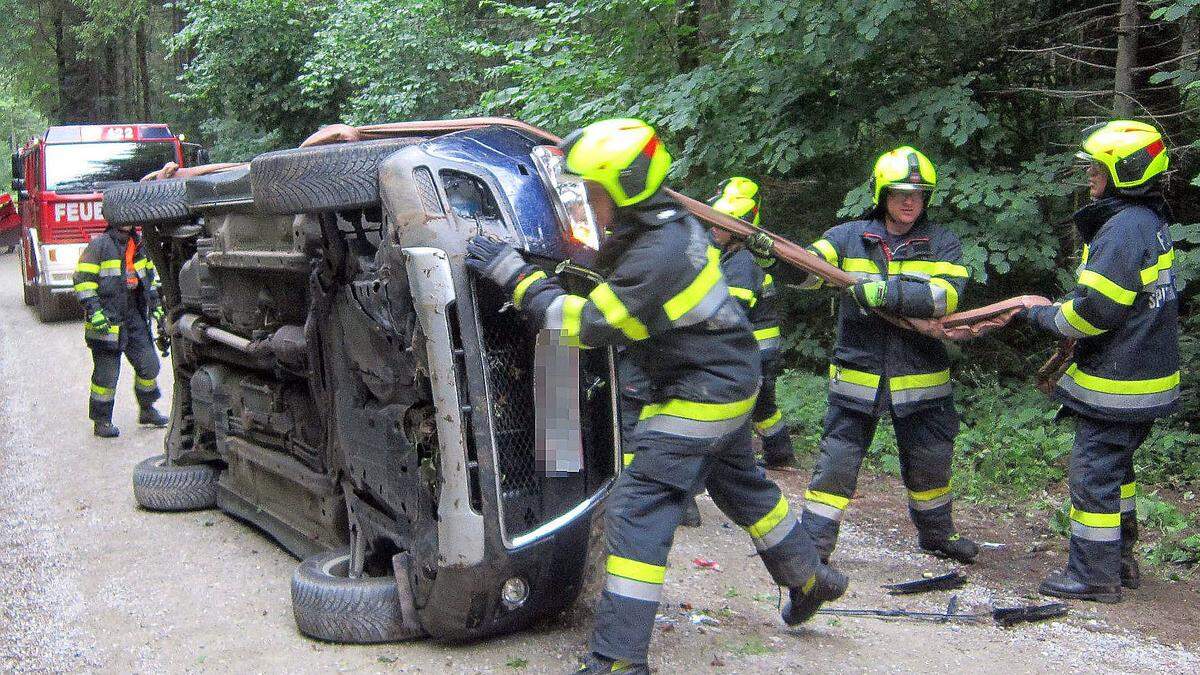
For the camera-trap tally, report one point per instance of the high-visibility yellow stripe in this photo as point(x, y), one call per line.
point(102, 391)
point(143, 383)
point(87, 268)
point(928, 495)
point(523, 286)
point(139, 264)
point(86, 286)
point(688, 298)
point(616, 313)
point(1107, 287)
point(836, 501)
point(1107, 386)
point(860, 265)
point(743, 294)
point(853, 376)
point(934, 268)
point(627, 458)
point(1095, 519)
point(768, 280)
point(828, 252)
point(110, 264)
point(572, 318)
point(1084, 257)
point(636, 570)
point(951, 293)
point(767, 333)
point(768, 522)
point(770, 421)
point(1128, 490)
point(921, 381)
point(1078, 322)
point(1165, 262)
point(703, 412)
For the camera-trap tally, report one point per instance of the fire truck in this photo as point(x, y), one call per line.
point(59, 177)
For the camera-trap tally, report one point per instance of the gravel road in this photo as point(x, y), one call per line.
point(90, 583)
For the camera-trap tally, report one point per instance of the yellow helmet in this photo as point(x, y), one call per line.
point(904, 168)
point(1133, 153)
point(623, 155)
point(737, 199)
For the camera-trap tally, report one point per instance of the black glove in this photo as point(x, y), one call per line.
point(494, 260)
point(761, 245)
point(162, 338)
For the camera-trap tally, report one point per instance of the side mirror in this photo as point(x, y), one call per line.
point(18, 167)
point(194, 154)
point(18, 185)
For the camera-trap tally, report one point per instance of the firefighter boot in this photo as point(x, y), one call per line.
point(1063, 585)
point(955, 547)
point(1131, 572)
point(777, 449)
point(105, 429)
point(827, 584)
point(691, 514)
point(594, 663)
point(148, 415)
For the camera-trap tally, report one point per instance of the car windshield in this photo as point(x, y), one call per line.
point(87, 167)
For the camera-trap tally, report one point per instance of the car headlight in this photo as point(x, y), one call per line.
point(569, 194)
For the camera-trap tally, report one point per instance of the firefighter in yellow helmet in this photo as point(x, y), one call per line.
point(664, 298)
point(906, 266)
point(1124, 316)
point(755, 290)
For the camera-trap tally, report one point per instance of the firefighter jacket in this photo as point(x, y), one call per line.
point(755, 291)
point(115, 276)
point(925, 279)
point(1124, 314)
point(665, 299)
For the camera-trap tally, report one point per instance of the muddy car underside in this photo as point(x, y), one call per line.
point(353, 390)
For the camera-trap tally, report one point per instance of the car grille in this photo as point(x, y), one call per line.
point(526, 497)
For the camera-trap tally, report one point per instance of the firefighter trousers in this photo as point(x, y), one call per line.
point(926, 446)
point(1103, 498)
point(769, 425)
point(138, 347)
point(645, 507)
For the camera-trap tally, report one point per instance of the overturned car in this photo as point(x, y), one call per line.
point(343, 384)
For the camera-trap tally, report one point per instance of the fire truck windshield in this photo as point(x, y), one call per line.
point(89, 167)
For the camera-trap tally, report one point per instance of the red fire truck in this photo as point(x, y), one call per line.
point(59, 178)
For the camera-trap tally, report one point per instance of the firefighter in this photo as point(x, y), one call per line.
point(665, 299)
point(755, 290)
point(906, 266)
point(1124, 316)
point(118, 287)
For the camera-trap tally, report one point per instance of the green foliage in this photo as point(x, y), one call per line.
point(1173, 542)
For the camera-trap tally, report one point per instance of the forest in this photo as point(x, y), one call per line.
point(800, 95)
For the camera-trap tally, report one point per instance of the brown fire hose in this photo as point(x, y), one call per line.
point(959, 326)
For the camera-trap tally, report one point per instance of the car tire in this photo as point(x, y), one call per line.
point(323, 177)
point(28, 290)
point(154, 201)
point(330, 606)
point(159, 486)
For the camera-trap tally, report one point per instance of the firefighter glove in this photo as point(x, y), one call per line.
point(761, 245)
point(870, 294)
point(494, 260)
point(158, 314)
point(98, 322)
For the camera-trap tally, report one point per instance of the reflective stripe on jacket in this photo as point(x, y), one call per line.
point(755, 291)
point(925, 278)
point(1124, 312)
point(123, 289)
point(666, 300)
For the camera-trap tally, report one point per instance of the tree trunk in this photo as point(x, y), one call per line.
point(143, 71)
point(687, 24)
point(1127, 46)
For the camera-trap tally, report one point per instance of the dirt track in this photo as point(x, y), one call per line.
point(89, 582)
